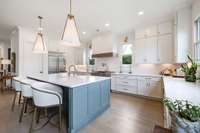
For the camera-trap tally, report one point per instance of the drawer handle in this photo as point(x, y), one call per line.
point(125, 82)
point(125, 89)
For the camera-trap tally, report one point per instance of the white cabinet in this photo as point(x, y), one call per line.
point(151, 50)
point(147, 32)
point(139, 85)
point(146, 50)
point(165, 28)
point(151, 87)
point(126, 84)
point(140, 50)
point(154, 44)
point(165, 49)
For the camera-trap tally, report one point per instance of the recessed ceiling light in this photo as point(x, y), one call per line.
point(107, 24)
point(140, 13)
point(83, 32)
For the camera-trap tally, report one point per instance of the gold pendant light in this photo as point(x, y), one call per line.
point(70, 36)
point(40, 46)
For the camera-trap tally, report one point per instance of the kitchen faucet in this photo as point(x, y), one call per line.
point(69, 69)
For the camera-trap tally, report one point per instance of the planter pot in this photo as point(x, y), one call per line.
point(190, 78)
point(180, 125)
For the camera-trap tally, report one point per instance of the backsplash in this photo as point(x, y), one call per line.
point(114, 64)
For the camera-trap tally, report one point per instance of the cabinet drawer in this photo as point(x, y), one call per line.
point(126, 88)
point(129, 82)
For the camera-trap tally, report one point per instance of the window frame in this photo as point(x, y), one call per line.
point(197, 38)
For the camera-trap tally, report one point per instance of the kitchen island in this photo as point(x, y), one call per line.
point(84, 97)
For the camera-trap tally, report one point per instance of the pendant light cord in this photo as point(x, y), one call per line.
point(40, 23)
point(70, 7)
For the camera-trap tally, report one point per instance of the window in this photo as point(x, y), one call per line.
point(197, 47)
point(127, 54)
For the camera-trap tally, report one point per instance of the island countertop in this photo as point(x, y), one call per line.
point(178, 88)
point(62, 79)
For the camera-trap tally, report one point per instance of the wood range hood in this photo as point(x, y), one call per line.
point(104, 55)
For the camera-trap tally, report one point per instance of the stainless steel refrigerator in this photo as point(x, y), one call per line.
point(56, 62)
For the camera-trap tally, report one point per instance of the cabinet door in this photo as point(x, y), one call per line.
point(152, 31)
point(142, 86)
point(105, 93)
point(151, 50)
point(140, 34)
point(140, 51)
point(155, 88)
point(94, 98)
point(165, 49)
point(165, 28)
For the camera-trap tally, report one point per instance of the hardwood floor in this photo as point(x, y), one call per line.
point(127, 114)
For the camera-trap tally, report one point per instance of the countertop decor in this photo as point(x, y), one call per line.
point(190, 70)
point(185, 117)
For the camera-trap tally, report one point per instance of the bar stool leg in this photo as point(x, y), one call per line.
point(20, 95)
point(38, 116)
point(33, 120)
point(22, 110)
point(60, 118)
point(13, 104)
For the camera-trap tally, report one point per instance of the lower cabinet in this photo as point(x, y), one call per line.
point(139, 85)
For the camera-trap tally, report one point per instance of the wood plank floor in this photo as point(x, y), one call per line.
point(128, 114)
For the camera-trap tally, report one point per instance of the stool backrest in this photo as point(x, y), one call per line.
point(46, 95)
point(17, 85)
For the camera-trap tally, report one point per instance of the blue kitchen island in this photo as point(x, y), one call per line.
point(84, 97)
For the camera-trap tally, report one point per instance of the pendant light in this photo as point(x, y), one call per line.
point(40, 46)
point(70, 36)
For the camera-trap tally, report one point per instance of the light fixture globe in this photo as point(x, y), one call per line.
point(39, 45)
point(70, 36)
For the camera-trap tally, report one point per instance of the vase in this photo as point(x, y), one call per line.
point(190, 78)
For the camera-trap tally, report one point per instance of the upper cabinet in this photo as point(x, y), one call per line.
point(154, 44)
point(104, 45)
point(147, 32)
point(165, 28)
point(183, 34)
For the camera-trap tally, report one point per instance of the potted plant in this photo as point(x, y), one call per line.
point(185, 117)
point(190, 70)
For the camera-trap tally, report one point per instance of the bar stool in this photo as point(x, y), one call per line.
point(27, 95)
point(46, 95)
point(17, 86)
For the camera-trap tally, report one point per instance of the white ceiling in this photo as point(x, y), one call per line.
point(89, 14)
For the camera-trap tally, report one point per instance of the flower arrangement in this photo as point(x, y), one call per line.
point(184, 109)
point(190, 70)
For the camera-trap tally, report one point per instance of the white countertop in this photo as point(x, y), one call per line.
point(178, 88)
point(62, 79)
point(138, 74)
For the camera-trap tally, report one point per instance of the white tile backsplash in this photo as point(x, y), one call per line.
point(114, 65)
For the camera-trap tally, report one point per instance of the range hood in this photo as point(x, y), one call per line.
point(104, 45)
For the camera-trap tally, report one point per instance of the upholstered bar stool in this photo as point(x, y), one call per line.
point(17, 88)
point(46, 95)
point(27, 94)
